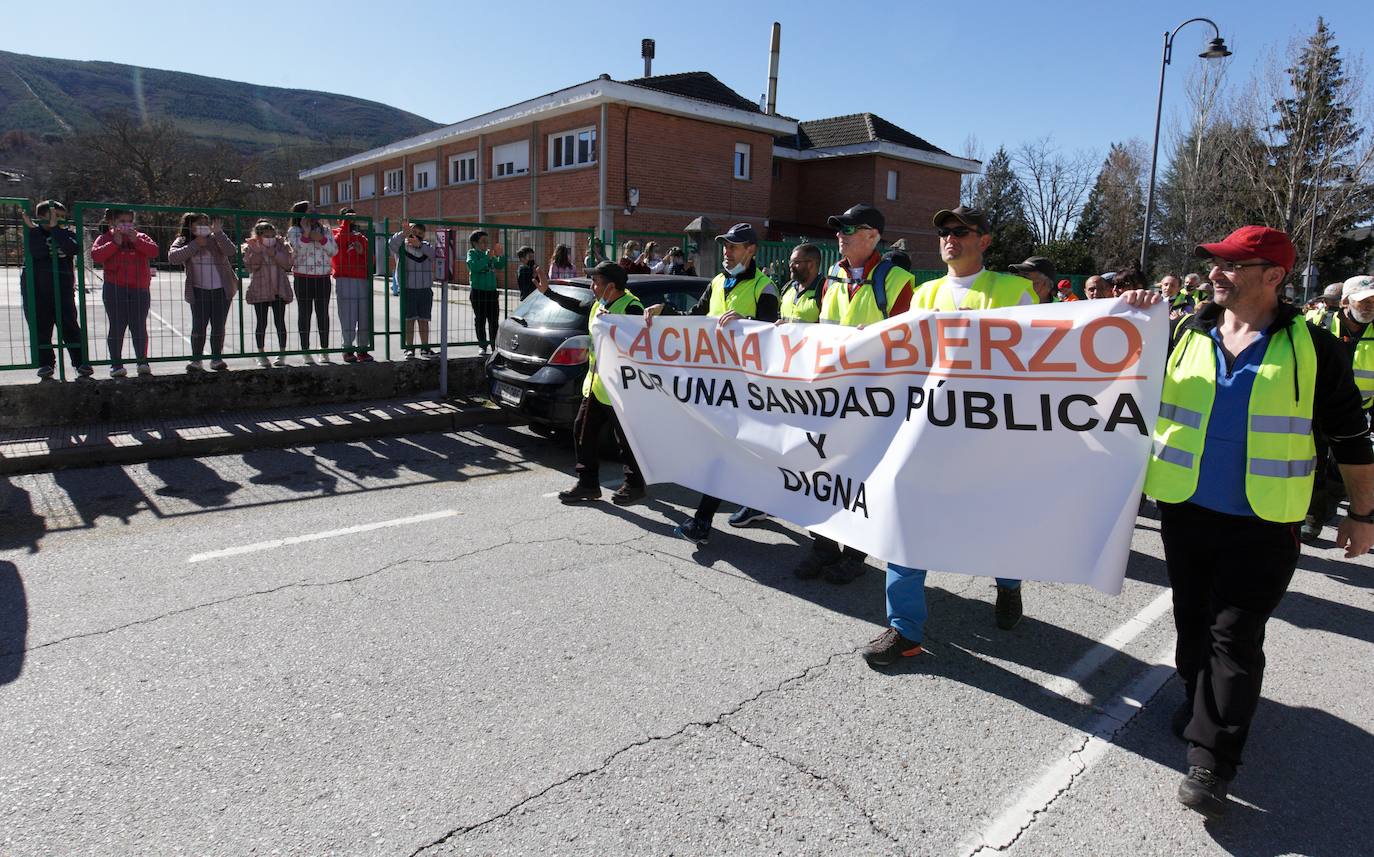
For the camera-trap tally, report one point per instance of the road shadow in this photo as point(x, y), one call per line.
point(102, 492)
point(1338, 569)
point(20, 526)
point(14, 622)
point(360, 459)
point(291, 469)
point(1318, 614)
point(192, 479)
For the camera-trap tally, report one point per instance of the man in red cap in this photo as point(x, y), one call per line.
point(1232, 468)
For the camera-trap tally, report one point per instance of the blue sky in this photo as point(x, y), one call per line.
point(1004, 72)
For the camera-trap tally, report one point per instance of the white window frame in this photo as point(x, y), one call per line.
point(456, 171)
point(423, 176)
point(892, 184)
point(394, 181)
point(346, 190)
point(743, 156)
point(504, 164)
point(326, 194)
point(564, 146)
point(367, 186)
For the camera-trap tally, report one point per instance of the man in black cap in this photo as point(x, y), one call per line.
point(1040, 271)
point(741, 291)
point(595, 413)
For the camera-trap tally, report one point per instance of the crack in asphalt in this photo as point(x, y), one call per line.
point(606, 762)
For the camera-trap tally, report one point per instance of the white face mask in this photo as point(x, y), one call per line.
point(124, 226)
point(201, 230)
point(269, 241)
point(1362, 317)
point(735, 270)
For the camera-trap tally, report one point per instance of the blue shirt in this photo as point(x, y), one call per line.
point(1221, 474)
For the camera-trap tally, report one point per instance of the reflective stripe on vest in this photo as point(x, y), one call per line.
point(839, 307)
point(591, 385)
point(1363, 363)
point(1280, 451)
point(743, 297)
point(990, 291)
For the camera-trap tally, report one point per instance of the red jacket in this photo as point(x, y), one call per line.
point(125, 266)
point(351, 260)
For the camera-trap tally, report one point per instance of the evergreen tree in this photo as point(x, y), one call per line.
point(997, 194)
point(1112, 217)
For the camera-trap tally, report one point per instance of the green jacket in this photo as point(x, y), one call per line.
point(482, 269)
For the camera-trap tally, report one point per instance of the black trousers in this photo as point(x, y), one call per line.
point(832, 550)
point(47, 311)
point(1228, 574)
point(592, 416)
point(278, 310)
point(486, 313)
point(209, 308)
point(312, 295)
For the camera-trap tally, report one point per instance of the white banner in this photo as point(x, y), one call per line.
point(1008, 443)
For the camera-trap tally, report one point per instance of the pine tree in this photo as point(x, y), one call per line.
point(999, 197)
point(1114, 213)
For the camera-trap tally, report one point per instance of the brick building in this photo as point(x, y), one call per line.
point(649, 155)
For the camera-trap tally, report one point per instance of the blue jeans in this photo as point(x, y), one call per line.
point(906, 599)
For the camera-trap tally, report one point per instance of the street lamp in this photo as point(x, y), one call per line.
point(1216, 49)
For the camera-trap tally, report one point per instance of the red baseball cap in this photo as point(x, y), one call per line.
point(1065, 286)
point(1253, 242)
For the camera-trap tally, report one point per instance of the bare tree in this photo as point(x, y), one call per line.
point(1053, 185)
point(972, 150)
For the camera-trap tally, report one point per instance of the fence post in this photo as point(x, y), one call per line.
point(443, 312)
point(238, 272)
point(386, 287)
point(30, 287)
point(79, 224)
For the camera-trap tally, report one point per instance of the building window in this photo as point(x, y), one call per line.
point(462, 168)
point(325, 197)
point(510, 159)
point(424, 176)
point(346, 191)
point(572, 148)
point(891, 184)
point(742, 161)
point(367, 186)
point(395, 182)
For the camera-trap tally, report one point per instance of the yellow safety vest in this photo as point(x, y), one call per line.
point(591, 385)
point(1318, 315)
point(800, 304)
point(839, 307)
point(1364, 360)
point(990, 291)
point(743, 297)
point(1281, 456)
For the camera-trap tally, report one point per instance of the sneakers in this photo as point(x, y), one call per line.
point(888, 648)
point(45, 371)
point(812, 566)
point(350, 357)
point(847, 570)
point(118, 372)
point(280, 361)
point(219, 365)
point(693, 531)
point(195, 366)
point(85, 370)
point(579, 492)
point(1182, 716)
point(264, 363)
point(364, 357)
point(324, 359)
point(145, 369)
point(746, 516)
point(1203, 791)
point(1008, 611)
point(310, 360)
point(410, 353)
point(628, 493)
point(428, 352)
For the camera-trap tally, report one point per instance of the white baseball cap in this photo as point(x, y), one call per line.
point(1358, 288)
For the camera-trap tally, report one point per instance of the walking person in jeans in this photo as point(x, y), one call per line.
point(53, 247)
point(125, 253)
point(415, 269)
point(482, 265)
point(205, 251)
point(353, 282)
point(268, 261)
point(312, 248)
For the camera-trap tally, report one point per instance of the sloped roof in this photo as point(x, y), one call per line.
point(700, 85)
point(852, 129)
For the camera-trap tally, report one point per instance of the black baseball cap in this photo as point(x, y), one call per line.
point(1035, 263)
point(859, 215)
point(740, 233)
point(613, 272)
point(965, 215)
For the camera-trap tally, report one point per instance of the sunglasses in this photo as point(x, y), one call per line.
point(957, 232)
point(850, 230)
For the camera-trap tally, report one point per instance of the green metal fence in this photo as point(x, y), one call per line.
point(21, 350)
point(658, 243)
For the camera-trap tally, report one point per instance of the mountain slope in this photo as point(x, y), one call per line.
point(53, 96)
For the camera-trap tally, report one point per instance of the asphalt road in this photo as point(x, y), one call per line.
point(408, 646)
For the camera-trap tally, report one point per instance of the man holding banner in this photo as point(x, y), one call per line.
point(964, 238)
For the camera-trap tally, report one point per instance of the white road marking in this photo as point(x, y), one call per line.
point(1085, 666)
point(328, 534)
point(167, 324)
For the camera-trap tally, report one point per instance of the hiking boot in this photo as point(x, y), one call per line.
point(579, 493)
point(1182, 716)
point(693, 531)
point(1310, 531)
point(628, 493)
point(745, 516)
point(1008, 610)
point(1203, 791)
point(847, 570)
point(888, 648)
point(813, 566)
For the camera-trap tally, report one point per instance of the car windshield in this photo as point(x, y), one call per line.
point(538, 311)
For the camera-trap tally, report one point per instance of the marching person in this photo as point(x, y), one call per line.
point(964, 238)
point(1180, 302)
point(1232, 471)
point(741, 291)
point(1097, 287)
point(1327, 304)
point(1040, 271)
point(596, 412)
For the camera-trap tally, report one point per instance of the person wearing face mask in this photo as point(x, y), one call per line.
point(269, 288)
point(312, 248)
point(53, 247)
point(353, 284)
point(206, 252)
point(415, 260)
point(124, 254)
point(742, 291)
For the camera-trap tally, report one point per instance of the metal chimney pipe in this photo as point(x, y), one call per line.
point(773, 48)
point(646, 50)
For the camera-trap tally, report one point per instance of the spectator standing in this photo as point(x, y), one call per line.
point(353, 285)
point(1066, 292)
point(596, 254)
point(1040, 271)
point(675, 262)
point(651, 259)
point(1097, 287)
point(206, 253)
point(312, 249)
point(125, 254)
point(527, 274)
point(631, 259)
point(53, 249)
point(268, 261)
point(482, 265)
point(561, 265)
point(415, 260)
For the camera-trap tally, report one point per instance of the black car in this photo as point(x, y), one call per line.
point(541, 350)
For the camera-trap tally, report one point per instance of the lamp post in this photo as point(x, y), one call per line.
point(1216, 49)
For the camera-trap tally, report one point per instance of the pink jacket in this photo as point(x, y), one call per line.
point(125, 266)
point(269, 269)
